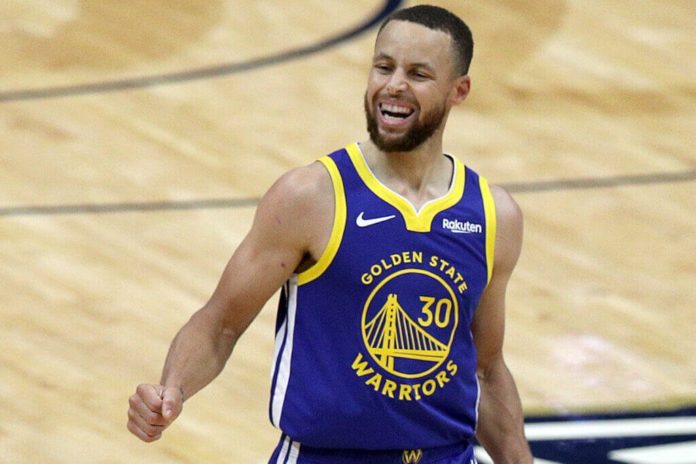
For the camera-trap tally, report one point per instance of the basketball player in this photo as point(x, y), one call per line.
point(393, 260)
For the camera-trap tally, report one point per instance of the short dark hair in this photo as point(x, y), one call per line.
point(436, 18)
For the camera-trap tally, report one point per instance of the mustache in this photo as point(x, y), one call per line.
point(380, 96)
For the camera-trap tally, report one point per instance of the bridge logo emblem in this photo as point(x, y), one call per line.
point(408, 335)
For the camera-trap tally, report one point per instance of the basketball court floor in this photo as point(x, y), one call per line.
point(137, 137)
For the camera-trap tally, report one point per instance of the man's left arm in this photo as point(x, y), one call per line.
point(501, 421)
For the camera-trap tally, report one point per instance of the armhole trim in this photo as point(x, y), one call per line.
point(489, 213)
point(339, 225)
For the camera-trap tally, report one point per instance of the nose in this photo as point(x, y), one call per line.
point(397, 83)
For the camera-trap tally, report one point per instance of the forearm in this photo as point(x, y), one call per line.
point(197, 354)
point(501, 420)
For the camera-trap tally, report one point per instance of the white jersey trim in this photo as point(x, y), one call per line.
point(283, 451)
point(282, 360)
point(289, 453)
point(294, 453)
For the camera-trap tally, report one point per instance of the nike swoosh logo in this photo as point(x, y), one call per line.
point(360, 221)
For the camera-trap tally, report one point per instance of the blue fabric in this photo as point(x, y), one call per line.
point(382, 351)
point(462, 453)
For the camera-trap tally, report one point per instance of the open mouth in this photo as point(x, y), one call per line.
point(394, 113)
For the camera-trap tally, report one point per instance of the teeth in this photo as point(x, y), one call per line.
point(396, 109)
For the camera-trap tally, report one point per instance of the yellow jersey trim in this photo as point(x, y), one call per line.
point(416, 221)
point(339, 225)
point(489, 213)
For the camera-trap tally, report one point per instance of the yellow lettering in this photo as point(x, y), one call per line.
point(412, 456)
point(416, 387)
point(360, 367)
point(462, 287)
point(405, 392)
point(442, 378)
point(429, 387)
point(375, 381)
point(443, 264)
point(452, 368)
point(450, 271)
point(393, 260)
point(389, 388)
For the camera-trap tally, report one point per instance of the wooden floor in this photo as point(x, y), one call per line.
point(126, 183)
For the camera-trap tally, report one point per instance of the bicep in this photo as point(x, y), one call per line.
point(278, 240)
point(252, 275)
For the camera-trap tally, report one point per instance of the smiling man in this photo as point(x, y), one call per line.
point(393, 258)
point(395, 120)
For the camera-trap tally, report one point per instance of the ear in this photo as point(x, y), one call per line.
point(460, 90)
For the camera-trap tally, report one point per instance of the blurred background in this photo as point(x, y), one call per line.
point(136, 138)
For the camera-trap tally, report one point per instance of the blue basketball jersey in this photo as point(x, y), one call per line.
point(373, 345)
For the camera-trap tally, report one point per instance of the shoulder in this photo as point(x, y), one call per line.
point(509, 227)
point(297, 208)
point(299, 189)
point(508, 212)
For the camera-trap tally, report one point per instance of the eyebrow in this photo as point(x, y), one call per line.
point(384, 56)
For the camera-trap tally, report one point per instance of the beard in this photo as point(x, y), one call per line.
point(414, 137)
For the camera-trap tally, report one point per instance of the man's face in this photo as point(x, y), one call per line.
point(411, 78)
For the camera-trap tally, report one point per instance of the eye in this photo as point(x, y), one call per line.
point(420, 75)
point(382, 67)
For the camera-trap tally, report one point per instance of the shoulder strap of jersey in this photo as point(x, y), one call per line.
point(339, 224)
point(489, 213)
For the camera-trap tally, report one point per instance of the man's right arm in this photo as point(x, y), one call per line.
point(290, 226)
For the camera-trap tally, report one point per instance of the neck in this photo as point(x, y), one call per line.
point(420, 175)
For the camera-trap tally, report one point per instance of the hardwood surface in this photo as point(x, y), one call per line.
point(122, 195)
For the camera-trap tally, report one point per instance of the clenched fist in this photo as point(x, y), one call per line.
point(152, 409)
